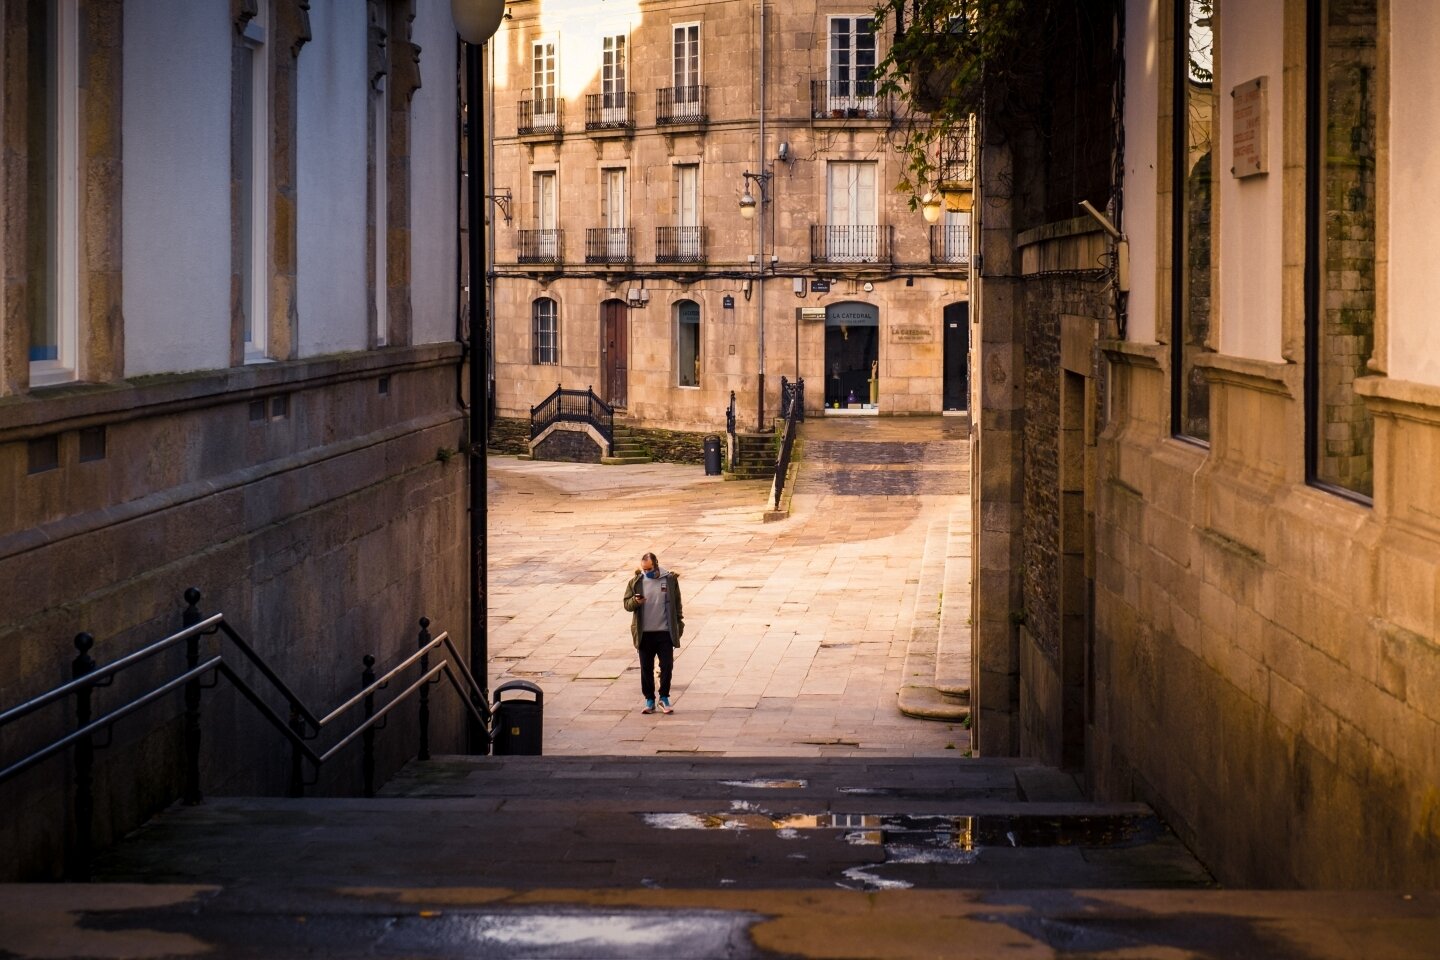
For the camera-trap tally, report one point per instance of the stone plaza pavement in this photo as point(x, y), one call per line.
point(796, 630)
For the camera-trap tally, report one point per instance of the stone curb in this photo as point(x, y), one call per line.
point(918, 696)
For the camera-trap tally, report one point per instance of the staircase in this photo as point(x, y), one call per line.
point(694, 822)
point(754, 458)
point(628, 448)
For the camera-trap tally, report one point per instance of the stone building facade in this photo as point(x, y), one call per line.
point(1256, 529)
point(227, 360)
point(623, 137)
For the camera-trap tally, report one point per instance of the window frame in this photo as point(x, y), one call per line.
point(538, 347)
point(1180, 248)
point(680, 323)
point(380, 107)
point(62, 259)
point(1316, 119)
point(255, 323)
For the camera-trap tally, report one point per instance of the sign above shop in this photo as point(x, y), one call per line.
point(911, 333)
point(1248, 153)
point(811, 313)
point(819, 286)
point(852, 313)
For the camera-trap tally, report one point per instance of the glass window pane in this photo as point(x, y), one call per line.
point(1342, 334)
point(1194, 158)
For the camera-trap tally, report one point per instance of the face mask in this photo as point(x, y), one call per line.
point(651, 574)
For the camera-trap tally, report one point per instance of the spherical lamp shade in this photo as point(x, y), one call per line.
point(930, 207)
point(477, 20)
point(747, 206)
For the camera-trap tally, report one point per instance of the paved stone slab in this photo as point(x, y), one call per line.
point(796, 631)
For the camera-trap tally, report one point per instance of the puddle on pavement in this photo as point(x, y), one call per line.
point(768, 784)
point(928, 830)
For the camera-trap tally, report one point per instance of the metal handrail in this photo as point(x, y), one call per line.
point(794, 413)
point(88, 677)
point(91, 679)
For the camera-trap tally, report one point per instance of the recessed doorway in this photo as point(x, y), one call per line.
point(852, 357)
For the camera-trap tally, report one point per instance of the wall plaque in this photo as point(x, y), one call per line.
point(727, 302)
point(911, 333)
point(1248, 153)
point(819, 286)
point(811, 313)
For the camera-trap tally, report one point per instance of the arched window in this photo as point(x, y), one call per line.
point(544, 331)
point(687, 343)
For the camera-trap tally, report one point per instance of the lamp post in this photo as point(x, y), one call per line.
point(748, 208)
point(476, 22)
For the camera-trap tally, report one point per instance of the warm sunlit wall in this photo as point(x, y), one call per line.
point(1142, 98)
point(1252, 210)
point(1414, 201)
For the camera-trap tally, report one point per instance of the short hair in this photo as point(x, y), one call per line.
point(654, 560)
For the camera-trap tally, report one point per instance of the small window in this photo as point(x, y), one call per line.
point(687, 341)
point(280, 407)
point(92, 444)
point(43, 454)
point(545, 332)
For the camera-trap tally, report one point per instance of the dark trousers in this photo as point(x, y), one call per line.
point(655, 643)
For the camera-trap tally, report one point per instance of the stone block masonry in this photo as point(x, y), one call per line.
point(319, 550)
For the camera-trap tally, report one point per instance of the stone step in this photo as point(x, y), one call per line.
point(918, 695)
point(622, 461)
point(696, 822)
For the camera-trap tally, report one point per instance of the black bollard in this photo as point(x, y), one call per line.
point(191, 795)
point(424, 692)
point(367, 739)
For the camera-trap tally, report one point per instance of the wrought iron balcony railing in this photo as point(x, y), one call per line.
point(869, 243)
point(956, 165)
point(679, 244)
point(540, 246)
point(674, 105)
point(610, 111)
point(848, 99)
point(950, 243)
point(609, 245)
point(539, 115)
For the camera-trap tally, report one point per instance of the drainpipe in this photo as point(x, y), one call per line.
point(760, 229)
point(479, 384)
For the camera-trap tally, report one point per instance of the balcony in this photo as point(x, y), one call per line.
point(869, 243)
point(682, 106)
point(950, 243)
point(610, 111)
point(847, 100)
point(679, 244)
point(540, 246)
point(609, 245)
point(539, 116)
point(956, 167)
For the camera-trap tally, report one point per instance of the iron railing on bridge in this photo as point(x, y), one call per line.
point(300, 728)
point(575, 406)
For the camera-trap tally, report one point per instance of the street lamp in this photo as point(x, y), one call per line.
point(476, 22)
point(931, 207)
point(748, 208)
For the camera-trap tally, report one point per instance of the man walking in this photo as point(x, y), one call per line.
point(653, 596)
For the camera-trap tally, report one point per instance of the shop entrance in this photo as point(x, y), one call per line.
point(852, 354)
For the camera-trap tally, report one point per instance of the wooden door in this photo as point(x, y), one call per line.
point(614, 351)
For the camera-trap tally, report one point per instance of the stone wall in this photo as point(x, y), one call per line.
point(308, 506)
point(510, 435)
point(1283, 635)
point(568, 445)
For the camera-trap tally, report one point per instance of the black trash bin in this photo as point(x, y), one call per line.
point(712, 456)
point(518, 724)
